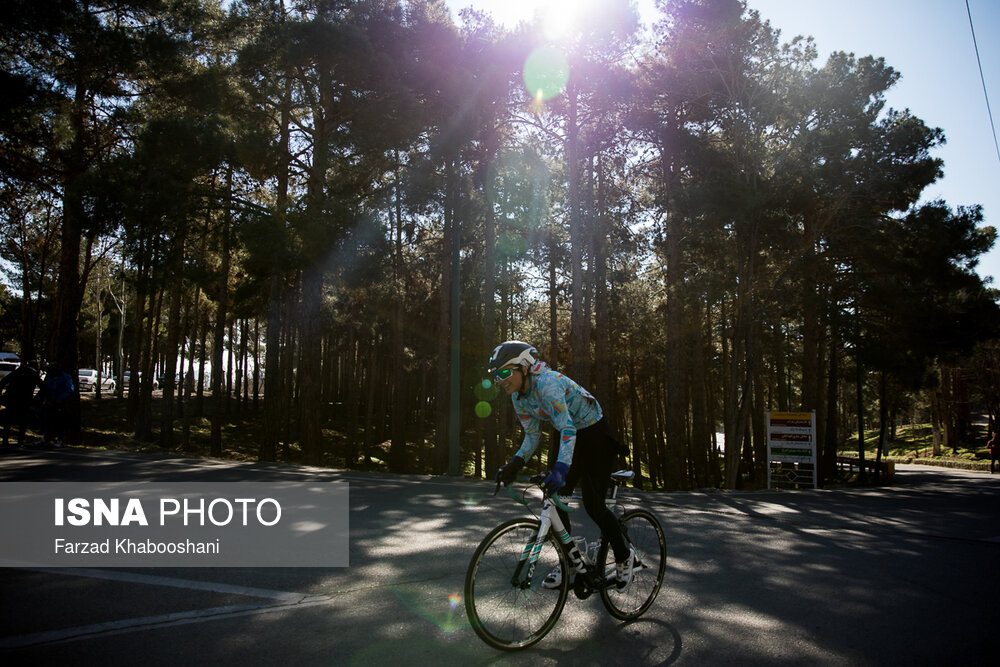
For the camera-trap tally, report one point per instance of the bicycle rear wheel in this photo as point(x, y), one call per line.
point(504, 598)
point(643, 532)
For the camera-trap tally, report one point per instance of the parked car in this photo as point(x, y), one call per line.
point(127, 374)
point(8, 362)
point(161, 378)
point(6, 367)
point(88, 381)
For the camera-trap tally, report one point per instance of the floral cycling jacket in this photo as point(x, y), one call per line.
point(554, 398)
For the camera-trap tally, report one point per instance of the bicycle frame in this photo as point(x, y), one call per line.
point(510, 609)
point(549, 519)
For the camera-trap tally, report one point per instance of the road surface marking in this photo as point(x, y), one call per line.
point(276, 601)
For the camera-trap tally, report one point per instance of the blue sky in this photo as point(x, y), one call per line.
point(929, 42)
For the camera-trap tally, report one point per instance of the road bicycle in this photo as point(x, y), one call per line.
point(505, 601)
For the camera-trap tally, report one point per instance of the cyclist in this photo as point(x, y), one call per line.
point(587, 449)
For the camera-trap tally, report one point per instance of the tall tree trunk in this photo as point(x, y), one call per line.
point(256, 364)
point(441, 449)
point(189, 375)
point(831, 439)
point(860, 387)
point(812, 329)
point(311, 364)
point(352, 364)
point(144, 414)
point(738, 400)
point(318, 239)
point(397, 445)
point(142, 309)
point(174, 331)
point(491, 432)
point(883, 427)
point(221, 317)
point(230, 366)
point(580, 355)
point(273, 386)
point(371, 380)
point(936, 440)
point(701, 427)
point(603, 362)
point(677, 354)
point(553, 292)
point(63, 350)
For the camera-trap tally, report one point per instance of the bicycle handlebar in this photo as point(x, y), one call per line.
point(536, 480)
point(509, 490)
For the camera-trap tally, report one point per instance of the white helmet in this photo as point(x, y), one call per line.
point(512, 352)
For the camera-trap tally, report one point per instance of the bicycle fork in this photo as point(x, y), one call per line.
point(548, 520)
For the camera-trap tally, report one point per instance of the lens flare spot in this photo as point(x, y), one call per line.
point(483, 409)
point(511, 245)
point(486, 391)
point(443, 617)
point(546, 73)
point(470, 501)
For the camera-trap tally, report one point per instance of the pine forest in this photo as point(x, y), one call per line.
point(323, 215)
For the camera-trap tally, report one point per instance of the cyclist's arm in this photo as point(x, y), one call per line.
point(532, 435)
point(553, 397)
point(567, 439)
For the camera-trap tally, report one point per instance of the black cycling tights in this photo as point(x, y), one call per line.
point(594, 460)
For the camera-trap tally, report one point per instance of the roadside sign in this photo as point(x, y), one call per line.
point(791, 448)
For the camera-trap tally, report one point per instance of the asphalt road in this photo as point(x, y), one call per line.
point(896, 575)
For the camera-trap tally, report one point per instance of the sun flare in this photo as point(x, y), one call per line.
point(557, 18)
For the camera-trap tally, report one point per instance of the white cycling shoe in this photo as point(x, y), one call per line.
point(623, 571)
point(553, 579)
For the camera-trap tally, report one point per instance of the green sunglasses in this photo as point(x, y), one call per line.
point(503, 373)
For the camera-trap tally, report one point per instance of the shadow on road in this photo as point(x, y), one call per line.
point(873, 576)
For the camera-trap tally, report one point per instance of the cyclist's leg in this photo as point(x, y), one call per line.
point(572, 479)
point(597, 462)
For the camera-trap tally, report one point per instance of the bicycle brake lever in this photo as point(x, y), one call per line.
point(509, 490)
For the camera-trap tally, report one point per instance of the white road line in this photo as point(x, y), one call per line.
point(149, 623)
point(283, 597)
point(278, 601)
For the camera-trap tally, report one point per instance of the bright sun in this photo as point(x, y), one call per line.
point(557, 17)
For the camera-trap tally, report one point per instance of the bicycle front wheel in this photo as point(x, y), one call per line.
point(643, 532)
point(504, 598)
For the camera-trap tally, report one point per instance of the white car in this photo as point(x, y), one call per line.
point(88, 381)
point(127, 374)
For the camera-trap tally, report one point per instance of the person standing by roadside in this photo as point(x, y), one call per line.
point(57, 393)
point(994, 449)
point(17, 391)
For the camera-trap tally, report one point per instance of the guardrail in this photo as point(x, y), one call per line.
point(888, 468)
